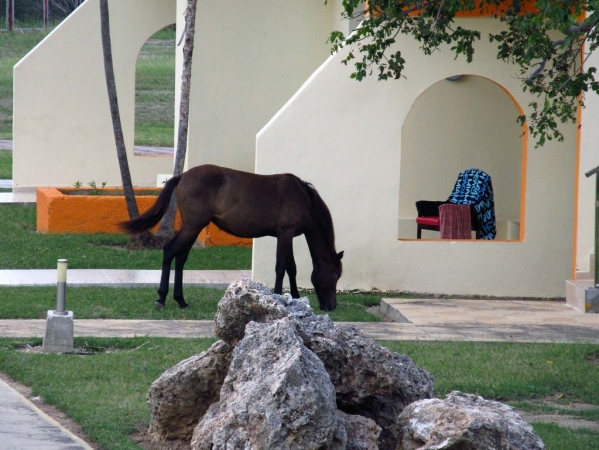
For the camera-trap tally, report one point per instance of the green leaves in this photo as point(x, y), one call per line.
point(549, 45)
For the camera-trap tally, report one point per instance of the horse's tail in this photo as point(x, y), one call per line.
point(153, 215)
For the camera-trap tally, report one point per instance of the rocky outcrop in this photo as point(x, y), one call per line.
point(282, 377)
point(463, 422)
point(369, 379)
point(182, 394)
point(246, 301)
point(362, 433)
point(277, 395)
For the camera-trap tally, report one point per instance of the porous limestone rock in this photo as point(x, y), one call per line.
point(182, 394)
point(246, 301)
point(369, 379)
point(277, 395)
point(362, 433)
point(464, 422)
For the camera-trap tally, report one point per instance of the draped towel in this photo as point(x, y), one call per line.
point(455, 221)
point(474, 187)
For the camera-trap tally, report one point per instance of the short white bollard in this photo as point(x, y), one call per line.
point(59, 323)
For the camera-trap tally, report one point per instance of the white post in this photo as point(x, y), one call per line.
point(61, 286)
point(59, 323)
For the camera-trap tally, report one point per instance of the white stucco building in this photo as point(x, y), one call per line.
point(267, 96)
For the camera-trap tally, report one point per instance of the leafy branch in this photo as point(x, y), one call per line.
point(549, 42)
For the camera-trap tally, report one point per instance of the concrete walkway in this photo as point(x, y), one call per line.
point(410, 319)
point(23, 426)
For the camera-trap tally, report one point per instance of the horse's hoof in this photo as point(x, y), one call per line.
point(159, 305)
point(182, 304)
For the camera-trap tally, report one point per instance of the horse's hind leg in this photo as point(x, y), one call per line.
point(187, 239)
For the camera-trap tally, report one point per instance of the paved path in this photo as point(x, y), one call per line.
point(23, 426)
point(118, 277)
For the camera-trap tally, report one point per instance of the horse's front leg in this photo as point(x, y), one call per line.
point(292, 273)
point(283, 247)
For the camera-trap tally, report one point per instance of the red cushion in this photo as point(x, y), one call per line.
point(428, 220)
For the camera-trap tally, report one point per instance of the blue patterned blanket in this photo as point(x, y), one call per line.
point(474, 187)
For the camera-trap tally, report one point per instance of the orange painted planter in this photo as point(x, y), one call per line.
point(59, 212)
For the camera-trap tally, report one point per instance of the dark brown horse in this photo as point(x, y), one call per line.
point(249, 206)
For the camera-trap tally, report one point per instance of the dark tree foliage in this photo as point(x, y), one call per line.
point(549, 41)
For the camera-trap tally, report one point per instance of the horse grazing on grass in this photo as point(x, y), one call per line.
point(248, 206)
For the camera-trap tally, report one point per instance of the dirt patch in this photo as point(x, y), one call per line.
point(593, 359)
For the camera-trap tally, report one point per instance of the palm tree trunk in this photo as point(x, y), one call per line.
point(114, 111)
point(167, 226)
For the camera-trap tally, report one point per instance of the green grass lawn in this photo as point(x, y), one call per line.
point(155, 91)
point(97, 302)
point(24, 248)
point(105, 393)
point(5, 165)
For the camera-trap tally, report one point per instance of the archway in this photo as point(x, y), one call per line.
point(155, 92)
point(454, 125)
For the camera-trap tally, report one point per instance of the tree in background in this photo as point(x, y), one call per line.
point(549, 41)
point(144, 240)
point(167, 226)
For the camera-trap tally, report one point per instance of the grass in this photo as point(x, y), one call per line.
point(105, 393)
point(5, 164)
point(155, 91)
point(96, 302)
point(155, 78)
point(24, 248)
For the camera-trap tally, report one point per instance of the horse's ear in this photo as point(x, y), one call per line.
point(339, 256)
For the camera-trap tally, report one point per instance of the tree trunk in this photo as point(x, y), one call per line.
point(146, 239)
point(167, 226)
point(114, 111)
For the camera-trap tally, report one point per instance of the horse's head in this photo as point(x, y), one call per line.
point(325, 280)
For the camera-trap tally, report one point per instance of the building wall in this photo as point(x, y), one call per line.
point(589, 159)
point(62, 123)
point(249, 58)
point(345, 138)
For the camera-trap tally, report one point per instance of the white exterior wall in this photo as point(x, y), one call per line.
point(62, 125)
point(589, 159)
point(250, 57)
point(345, 138)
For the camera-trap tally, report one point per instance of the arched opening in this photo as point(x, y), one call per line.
point(155, 94)
point(456, 124)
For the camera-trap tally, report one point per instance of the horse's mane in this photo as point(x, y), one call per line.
point(321, 212)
